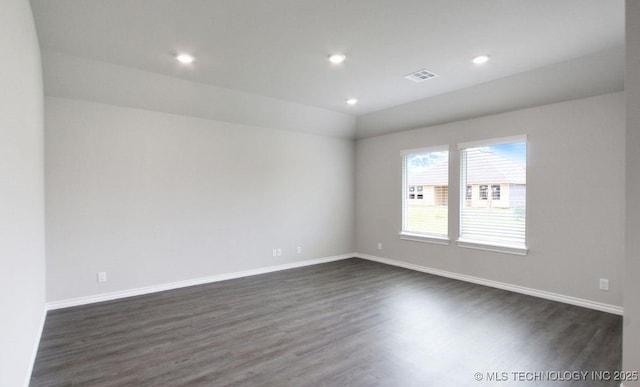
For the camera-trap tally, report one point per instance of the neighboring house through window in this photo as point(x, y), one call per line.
point(484, 192)
point(493, 182)
point(495, 218)
point(495, 192)
point(425, 197)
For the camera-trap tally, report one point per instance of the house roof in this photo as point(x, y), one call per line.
point(437, 174)
point(487, 168)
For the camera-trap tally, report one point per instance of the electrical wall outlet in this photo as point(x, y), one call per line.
point(604, 284)
point(102, 276)
point(299, 249)
point(379, 245)
point(274, 252)
point(279, 251)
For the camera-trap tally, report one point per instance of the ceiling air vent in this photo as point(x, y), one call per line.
point(420, 75)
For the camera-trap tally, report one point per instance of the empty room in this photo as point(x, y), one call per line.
point(320, 193)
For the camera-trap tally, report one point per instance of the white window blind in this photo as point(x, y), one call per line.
point(425, 192)
point(493, 201)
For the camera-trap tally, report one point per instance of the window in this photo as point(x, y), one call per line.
point(495, 192)
point(497, 220)
point(425, 187)
point(483, 192)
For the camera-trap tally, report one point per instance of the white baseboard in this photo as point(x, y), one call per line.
point(34, 350)
point(222, 277)
point(500, 285)
point(181, 284)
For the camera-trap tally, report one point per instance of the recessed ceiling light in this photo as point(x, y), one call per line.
point(480, 59)
point(185, 58)
point(337, 58)
point(351, 101)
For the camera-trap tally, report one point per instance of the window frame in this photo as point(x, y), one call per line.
point(487, 245)
point(483, 191)
point(417, 236)
point(496, 190)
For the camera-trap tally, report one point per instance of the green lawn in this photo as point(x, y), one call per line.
point(427, 219)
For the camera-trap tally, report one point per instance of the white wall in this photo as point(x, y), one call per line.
point(154, 198)
point(575, 198)
point(559, 82)
point(21, 193)
point(631, 330)
point(85, 79)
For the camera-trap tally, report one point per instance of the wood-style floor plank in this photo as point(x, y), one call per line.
point(345, 323)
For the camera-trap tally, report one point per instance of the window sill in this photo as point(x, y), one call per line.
point(515, 250)
point(407, 236)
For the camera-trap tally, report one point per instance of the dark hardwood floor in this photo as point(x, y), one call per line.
point(345, 323)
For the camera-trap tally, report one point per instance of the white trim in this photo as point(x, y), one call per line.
point(438, 240)
point(492, 141)
point(500, 285)
point(515, 250)
point(36, 345)
point(181, 284)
